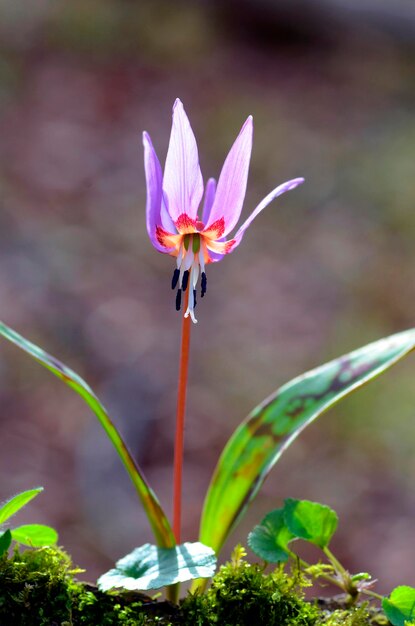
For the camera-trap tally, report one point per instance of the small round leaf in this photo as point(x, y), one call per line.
point(400, 606)
point(35, 535)
point(310, 520)
point(269, 540)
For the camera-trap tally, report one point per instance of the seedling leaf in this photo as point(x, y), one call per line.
point(269, 540)
point(400, 606)
point(5, 541)
point(17, 502)
point(150, 567)
point(155, 514)
point(311, 521)
point(35, 535)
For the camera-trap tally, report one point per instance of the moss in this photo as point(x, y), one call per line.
point(356, 616)
point(37, 588)
point(241, 594)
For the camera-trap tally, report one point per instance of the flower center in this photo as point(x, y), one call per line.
point(190, 263)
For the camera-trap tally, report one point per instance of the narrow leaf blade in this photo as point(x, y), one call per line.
point(269, 539)
point(258, 443)
point(150, 567)
point(17, 502)
point(35, 535)
point(5, 541)
point(311, 521)
point(155, 514)
point(400, 606)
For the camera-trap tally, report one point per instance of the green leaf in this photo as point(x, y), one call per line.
point(150, 567)
point(361, 576)
point(5, 541)
point(35, 535)
point(155, 514)
point(258, 443)
point(311, 521)
point(17, 502)
point(400, 606)
point(269, 540)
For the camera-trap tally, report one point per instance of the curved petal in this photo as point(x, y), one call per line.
point(290, 184)
point(154, 191)
point(218, 248)
point(209, 198)
point(231, 188)
point(214, 257)
point(165, 218)
point(182, 181)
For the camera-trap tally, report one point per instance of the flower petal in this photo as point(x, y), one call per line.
point(165, 218)
point(182, 181)
point(209, 198)
point(290, 184)
point(231, 188)
point(154, 191)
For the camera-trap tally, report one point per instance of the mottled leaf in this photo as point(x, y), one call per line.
point(17, 502)
point(310, 520)
point(155, 514)
point(270, 538)
point(258, 443)
point(5, 541)
point(35, 535)
point(150, 567)
point(400, 606)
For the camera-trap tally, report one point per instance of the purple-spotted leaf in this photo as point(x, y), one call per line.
point(258, 443)
point(155, 514)
point(35, 535)
point(17, 502)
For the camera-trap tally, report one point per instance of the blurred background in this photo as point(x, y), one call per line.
point(326, 269)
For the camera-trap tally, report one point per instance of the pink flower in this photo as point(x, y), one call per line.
point(173, 223)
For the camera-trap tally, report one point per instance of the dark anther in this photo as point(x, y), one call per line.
point(178, 299)
point(204, 284)
point(194, 298)
point(175, 278)
point(185, 280)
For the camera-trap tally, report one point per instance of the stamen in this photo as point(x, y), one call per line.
point(178, 299)
point(186, 241)
point(196, 244)
point(185, 280)
point(175, 278)
point(203, 284)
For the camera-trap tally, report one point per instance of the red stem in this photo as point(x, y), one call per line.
point(179, 440)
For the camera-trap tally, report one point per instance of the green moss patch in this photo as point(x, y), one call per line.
point(37, 588)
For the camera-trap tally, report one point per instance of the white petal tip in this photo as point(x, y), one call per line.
point(249, 123)
point(146, 139)
point(177, 103)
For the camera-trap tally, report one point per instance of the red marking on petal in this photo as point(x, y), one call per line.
point(229, 245)
point(222, 247)
point(185, 224)
point(166, 239)
point(216, 230)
